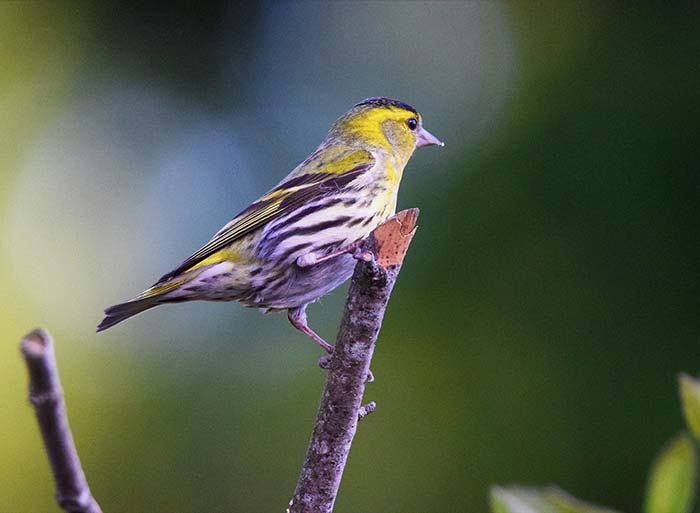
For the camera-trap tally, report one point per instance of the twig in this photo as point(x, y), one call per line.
point(46, 395)
point(340, 410)
point(366, 410)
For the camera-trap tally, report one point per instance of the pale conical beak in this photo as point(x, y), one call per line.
point(425, 138)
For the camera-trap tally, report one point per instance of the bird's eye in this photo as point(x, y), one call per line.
point(412, 123)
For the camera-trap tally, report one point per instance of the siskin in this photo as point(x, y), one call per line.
point(296, 243)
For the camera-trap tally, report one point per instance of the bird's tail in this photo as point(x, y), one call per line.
point(148, 299)
point(118, 313)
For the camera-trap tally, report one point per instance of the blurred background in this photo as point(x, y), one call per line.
point(548, 301)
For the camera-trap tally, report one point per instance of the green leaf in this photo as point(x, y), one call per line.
point(689, 389)
point(672, 481)
point(517, 499)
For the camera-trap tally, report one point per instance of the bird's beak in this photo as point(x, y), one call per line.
point(425, 138)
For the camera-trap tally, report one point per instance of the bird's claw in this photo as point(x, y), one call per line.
point(363, 256)
point(325, 361)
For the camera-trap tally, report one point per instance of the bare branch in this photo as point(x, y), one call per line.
point(340, 410)
point(46, 395)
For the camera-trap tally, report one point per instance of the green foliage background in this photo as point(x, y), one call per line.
point(548, 301)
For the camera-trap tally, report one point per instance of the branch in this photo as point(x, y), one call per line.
point(340, 410)
point(46, 395)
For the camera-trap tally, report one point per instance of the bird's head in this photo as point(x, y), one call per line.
point(384, 124)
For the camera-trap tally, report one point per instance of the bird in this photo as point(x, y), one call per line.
point(299, 241)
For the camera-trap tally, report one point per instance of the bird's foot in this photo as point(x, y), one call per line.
point(297, 316)
point(354, 249)
point(363, 256)
point(325, 362)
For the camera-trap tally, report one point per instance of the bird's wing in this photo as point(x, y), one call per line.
point(313, 179)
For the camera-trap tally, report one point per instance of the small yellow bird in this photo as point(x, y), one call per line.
point(296, 243)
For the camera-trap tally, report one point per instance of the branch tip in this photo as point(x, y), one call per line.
point(35, 344)
point(46, 396)
point(341, 401)
point(394, 236)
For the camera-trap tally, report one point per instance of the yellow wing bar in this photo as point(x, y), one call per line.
point(280, 201)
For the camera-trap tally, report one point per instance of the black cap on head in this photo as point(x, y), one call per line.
point(383, 101)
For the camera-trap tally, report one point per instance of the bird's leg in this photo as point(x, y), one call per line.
point(297, 316)
point(355, 249)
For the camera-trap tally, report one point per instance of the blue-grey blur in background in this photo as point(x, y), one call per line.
point(546, 305)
